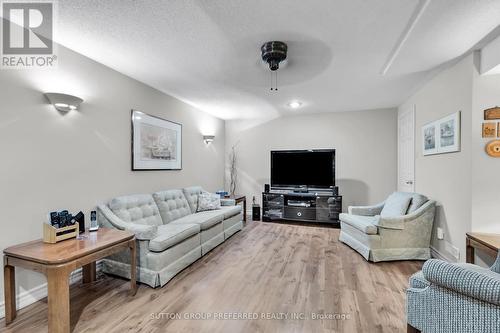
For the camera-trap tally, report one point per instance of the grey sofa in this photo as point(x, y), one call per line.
point(170, 233)
point(458, 298)
point(396, 229)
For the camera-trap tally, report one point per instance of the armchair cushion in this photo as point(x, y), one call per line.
point(137, 208)
point(172, 205)
point(396, 205)
point(172, 234)
point(366, 210)
point(479, 283)
point(496, 265)
point(417, 200)
point(364, 224)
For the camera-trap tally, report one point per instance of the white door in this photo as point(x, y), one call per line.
point(406, 150)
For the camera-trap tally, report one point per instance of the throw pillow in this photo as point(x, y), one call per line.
point(396, 205)
point(208, 201)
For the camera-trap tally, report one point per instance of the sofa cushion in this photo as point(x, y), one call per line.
point(396, 205)
point(417, 200)
point(172, 205)
point(206, 219)
point(230, 211)
point(138, 208)
point(208, 201)
point(365, 224)
point(171, 234)
point(191, 194)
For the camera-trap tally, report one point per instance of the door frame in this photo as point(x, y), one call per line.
point(410, 109)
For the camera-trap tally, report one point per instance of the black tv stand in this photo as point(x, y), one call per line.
point(310, 206)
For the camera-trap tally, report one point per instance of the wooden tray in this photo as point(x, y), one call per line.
point(53, 235)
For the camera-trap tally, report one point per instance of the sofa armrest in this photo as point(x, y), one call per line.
point(141, 231)
point(227, 202)
point(366, 210)
point(483, 285)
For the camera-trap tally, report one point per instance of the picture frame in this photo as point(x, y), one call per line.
point(442, 136)
point(449, 133)
point(489, 130)
point(430, 138)
point(156, 143)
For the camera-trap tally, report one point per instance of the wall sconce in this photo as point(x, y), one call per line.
point(208, 139)
point(63, 102)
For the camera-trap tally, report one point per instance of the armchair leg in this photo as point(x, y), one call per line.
point(411, 329)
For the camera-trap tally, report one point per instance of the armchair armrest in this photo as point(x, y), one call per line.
point(480, 284)
point(398, 222)
point(227, 202)
point(366, 210)
point(496, 265)
point(141, 231)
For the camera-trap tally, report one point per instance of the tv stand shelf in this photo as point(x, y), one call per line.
point(303, 207)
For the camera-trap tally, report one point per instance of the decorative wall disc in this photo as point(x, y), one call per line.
point(493, 148)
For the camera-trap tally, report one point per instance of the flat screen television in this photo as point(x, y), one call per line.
point(311, 168)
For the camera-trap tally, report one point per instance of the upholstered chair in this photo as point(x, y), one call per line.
point(396, 229)
point(458, 298)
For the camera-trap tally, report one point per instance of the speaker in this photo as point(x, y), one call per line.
point(255, 212)
point(266, 188)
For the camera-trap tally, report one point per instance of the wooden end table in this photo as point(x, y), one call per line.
point(240, 199)
point(489, 243)
point(57, 261)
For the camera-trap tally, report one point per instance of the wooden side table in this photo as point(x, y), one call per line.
point(240, 199)
point(57, 261)
point(489, 243)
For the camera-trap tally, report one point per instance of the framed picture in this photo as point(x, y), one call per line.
point(430, 138)
point(489, 130)
point(442, 136)
point(156, 143)
point(449, 133)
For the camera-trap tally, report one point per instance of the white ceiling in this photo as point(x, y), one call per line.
point(207, 53)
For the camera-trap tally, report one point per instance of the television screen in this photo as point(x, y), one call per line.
point(313, 168)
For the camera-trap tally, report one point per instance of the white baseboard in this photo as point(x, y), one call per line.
point(439, 255)
point(39, 292)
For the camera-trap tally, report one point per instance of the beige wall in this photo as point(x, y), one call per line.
point(365, 142)
point(446, 177)
point(485, 169)
point(52, 161)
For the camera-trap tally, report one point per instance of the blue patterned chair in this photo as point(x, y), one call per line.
point(454, 298)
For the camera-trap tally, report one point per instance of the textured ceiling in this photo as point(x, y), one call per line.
point(207, 52)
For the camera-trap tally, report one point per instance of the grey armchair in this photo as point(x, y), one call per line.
point(458, 298)
point(396, 229)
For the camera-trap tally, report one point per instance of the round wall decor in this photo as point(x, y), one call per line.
point(493, 148)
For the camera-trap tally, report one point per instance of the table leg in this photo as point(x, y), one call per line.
point(244, 210)
point(58, 299)
point(469, 252)
point(89, 273)
point(133, 258)
point(9, 275)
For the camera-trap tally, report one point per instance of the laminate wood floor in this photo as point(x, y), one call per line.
point(265, 272)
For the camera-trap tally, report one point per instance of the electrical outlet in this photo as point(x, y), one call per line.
point(440, 233)
point(453, 250)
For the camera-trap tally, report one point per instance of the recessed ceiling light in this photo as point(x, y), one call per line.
point(295, 104)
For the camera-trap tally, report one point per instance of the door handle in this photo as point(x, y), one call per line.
point(409, 182)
